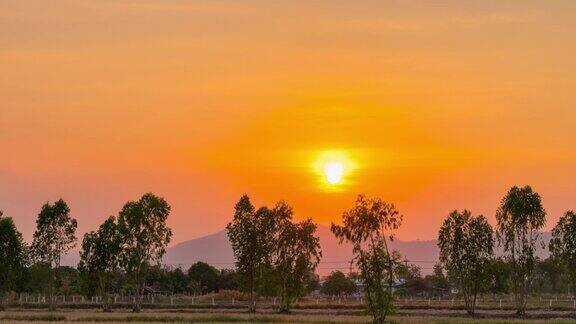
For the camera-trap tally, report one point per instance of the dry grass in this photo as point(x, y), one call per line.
point(152, 316)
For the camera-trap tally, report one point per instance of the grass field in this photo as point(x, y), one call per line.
point(299, 316)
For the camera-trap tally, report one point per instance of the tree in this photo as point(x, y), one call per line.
point(437, 283)
point(54, 237)
point(203, 277)
point(411, 276)
point(337, 284)
point(228, 279)
point(12, 254)
point(312, 282)
point(99, 256)
point(296, 254)
point(563, 245)
point(520, 217)
point(368, 226)
point(249, 234)
point(143, 238)
point(499, 273)
point(466, 246)
point(178, 281)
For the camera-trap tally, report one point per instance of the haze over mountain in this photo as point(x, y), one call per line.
point(215, 249)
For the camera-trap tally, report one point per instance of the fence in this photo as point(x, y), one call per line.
point(218, 301)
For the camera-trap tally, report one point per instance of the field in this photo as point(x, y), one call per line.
point(219, 308)
point(230, 316)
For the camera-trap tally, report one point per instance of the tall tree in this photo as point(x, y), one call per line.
point(249, 234)
point(55, 235)
point(296, 254)
point(368, 226)
point(12, 254)
point(563, 244)
point(520, 218)
point(466, 246)
point(144, 236)
point(99, 256)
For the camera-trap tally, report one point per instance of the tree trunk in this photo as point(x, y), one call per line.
point(136, 308)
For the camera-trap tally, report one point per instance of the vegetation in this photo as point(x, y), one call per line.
point(277, 257)
point(296, 254)
point(520, 217)
point(55, 235)
point(563, 245)
point(337, 284)
point(143, 238)
point(12, 256)
point(466, 246)
point(273, 254)
point(99, 256)
point(249, 234)
point(367, 227)
point(203, 278)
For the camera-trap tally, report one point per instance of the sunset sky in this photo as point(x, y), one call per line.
point(431, 105)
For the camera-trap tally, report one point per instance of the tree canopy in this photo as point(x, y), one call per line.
point(368, 226)
point(12, 255)
point(563, 244)
point(466, 246)
point(337, 284)
point(520, 218)
point(144, 237)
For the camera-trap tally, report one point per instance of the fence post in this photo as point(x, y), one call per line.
point(500, 303)
point(213, 301)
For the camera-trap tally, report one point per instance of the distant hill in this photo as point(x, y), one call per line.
point(215, 249)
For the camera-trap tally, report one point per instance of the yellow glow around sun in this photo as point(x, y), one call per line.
point(333, 167)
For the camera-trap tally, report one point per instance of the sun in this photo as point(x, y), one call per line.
point(333, 172)
point(334, 168)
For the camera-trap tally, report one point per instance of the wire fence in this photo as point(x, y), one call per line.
point(320, 301)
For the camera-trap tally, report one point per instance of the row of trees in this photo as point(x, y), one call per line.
point(131, 242)
point(273, 251)
point(467, 243)
point(277, 256)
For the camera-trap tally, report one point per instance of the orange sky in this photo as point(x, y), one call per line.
point(440, 105)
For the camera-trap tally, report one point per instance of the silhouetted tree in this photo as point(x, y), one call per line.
point(411, 276)
point(228, 279)
point(563, 245)
point(249, 234)
point(337, 284)
point(520, 217)
point(368, 226)
point(466, 245)
point(99, 256)
point(143, 238)
point(12, 256)
point(500, 273)
point(203, 277)
point(437, 283)
point(54, 237)
point(296, 254)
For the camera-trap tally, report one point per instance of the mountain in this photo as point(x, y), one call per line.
point(215, 249)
